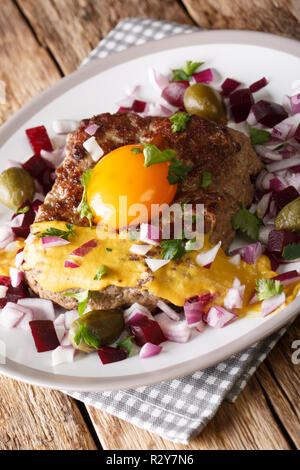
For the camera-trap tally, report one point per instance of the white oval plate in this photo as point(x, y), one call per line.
point(246, 56)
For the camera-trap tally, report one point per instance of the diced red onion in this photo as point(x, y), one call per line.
point(193, 309)
point(269, 113)
point(15, 276)
point(30, 239)
point(229, 86)
point(297, 134)
point(13, 164)
point(294, 180)
point(205, 76)
point(62, 355)
point(295, 103)
point(286, 128)
point(71, 264)
point(17, 221)
point(218, 317)
point(158, 80)
point(206, 258)
point(156, 264)
point(55, 158)
point(60, 320)
point(141, 250)
point(128, 99)
point(65, 341)
point(135, 312)
point(92, 129)
point(84, 249)
point(236, 259)
point(60, 332)
point(276, 184)
point(64, 126)
point(174, 93)
point(93, 148)
point(27, 318)
point(10, 316)
point(176, 331)
point(150, 350)
point(264, 233)
point(51, 242)
point(134, 318)
point(6, 236)
point(3, 291)
point(70, 316)
point(234, 297)
point(258, 85)
point(287, 278)
point(150, 234)
point(250, 253)
point(42, 309)
point(168, 310)
point(264, 204)
point(240, 104)
point(270, 305)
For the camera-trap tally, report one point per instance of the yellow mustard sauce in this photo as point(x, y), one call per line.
point(176, 281)
point(7, 257)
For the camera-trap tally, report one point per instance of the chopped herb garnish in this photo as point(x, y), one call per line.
point(126, 344)
point(55, 232)
point(153, 155)
point(82, 298)
point(280, 146)
point(136, 150)
point(179, 121)
point(24, 210)
point(102, 271)
point(178, 172)
point(108, 249)
point(206, 179)
point(291, 251)
point(267, 288)
point(91, 339)
point(247, 222)
point(258, 136)
point(186, 71)
point(173, 249)
point(83, 208)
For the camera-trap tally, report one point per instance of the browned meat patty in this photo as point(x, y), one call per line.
point(204, 146)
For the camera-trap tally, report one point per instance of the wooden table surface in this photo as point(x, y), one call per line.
point(41, 41)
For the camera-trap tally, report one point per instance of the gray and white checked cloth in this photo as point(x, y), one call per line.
point(177, 410)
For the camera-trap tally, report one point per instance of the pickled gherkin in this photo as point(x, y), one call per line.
point(289, 217)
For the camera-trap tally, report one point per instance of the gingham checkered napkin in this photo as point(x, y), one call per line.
point(177, 410)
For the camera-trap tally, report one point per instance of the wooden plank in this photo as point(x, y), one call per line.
point(26, 68)
point(40, 419)
point(247, 424)
point(280, 17)
point(71, 29)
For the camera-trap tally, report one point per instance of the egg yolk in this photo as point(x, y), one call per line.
point(123, 192)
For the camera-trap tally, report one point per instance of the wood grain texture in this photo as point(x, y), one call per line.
point(72, 28)
point(273, 16)
point(26, 68)
point(40, 419)
point(247, 424)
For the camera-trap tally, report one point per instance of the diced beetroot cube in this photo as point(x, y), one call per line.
point(47, 180)
point(278, 239)
point(138, 106)
point(5, 281)
point(269, 113)
point(229, 86)
point(109, 355)
point(258, 85)
point(39, 140)
point(29, 217)
point(282, 198)
point(240, 104)
point(44, 335)
point(36, 167)
point(273, 259)
point(147, 331)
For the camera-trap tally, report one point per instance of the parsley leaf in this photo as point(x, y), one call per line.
point(179, 121)
point(82, 298)
point(258, 136)
point(136, 150)
point(109, 250)
point(153, 155)
point(83, 208)
point(291, 251)
point(126, 344)
point(186, 71)
point(102, 271)
point(206, 179)
point(247, 222)
point(178, 172)
point(267, 288)
point(24, 210)
point(91, 339)
point(173, 249)
point(55, 232)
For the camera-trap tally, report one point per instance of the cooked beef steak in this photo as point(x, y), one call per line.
point(204, 146)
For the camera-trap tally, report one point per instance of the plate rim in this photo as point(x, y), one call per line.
point(32, 376)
